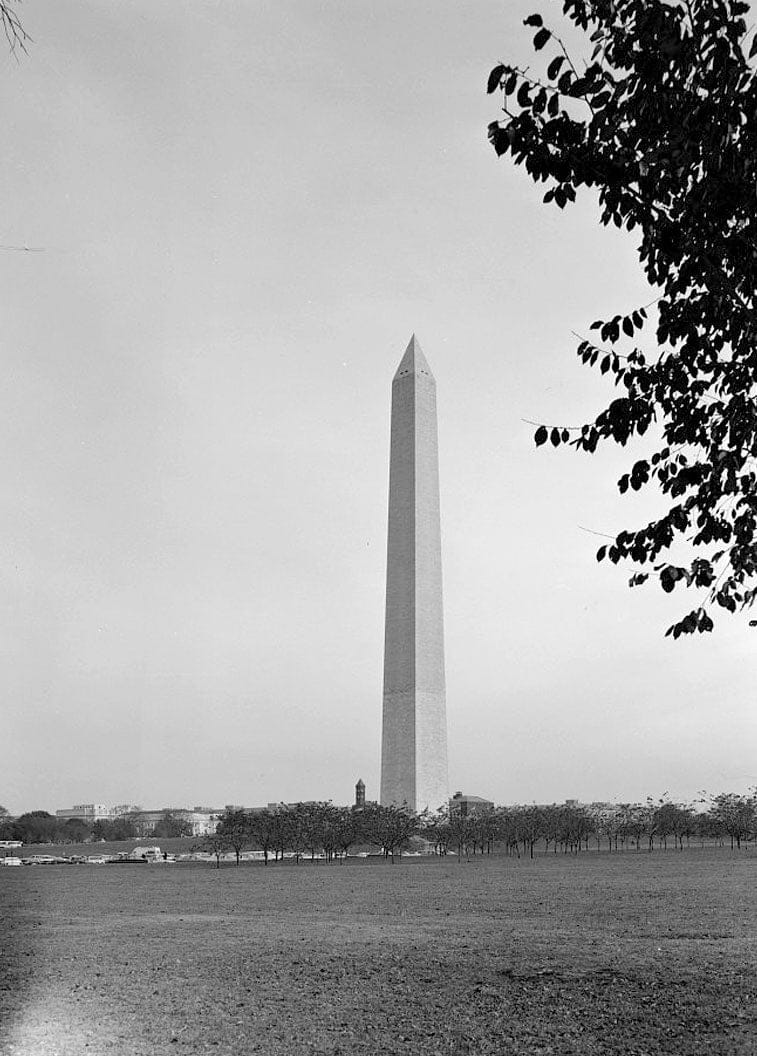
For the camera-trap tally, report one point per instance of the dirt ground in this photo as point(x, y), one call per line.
point(626, 955)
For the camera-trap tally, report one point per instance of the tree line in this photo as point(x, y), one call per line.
point(571, 828)
point(325, 830)
point(331, 832)
point(313, 830)
point(38, 826)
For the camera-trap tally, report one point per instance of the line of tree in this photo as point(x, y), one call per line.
point(310, 830)
point(571, 828)
point(325, 831)
point(38, 826)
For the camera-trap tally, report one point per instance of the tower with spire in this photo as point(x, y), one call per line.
point(414, 730)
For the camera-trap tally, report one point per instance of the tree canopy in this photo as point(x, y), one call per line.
point(172, 825)
point(660, 120)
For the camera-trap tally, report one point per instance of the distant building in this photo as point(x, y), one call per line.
point(92, 812)
point(291, 806)
point(360, 794)
point(467, 805)
point(146, 820)
point(203, 820)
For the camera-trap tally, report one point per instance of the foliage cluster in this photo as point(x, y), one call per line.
point(659, 120)
point(37, 826)
point(313, 829)
point(321, 829)
point(570, 827)
point(328, 831)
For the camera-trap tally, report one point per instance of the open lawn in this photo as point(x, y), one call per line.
point(623, 954)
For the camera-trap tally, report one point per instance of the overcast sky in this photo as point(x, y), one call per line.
point(244, 209)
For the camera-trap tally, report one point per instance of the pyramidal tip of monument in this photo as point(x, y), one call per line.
point(413, 361)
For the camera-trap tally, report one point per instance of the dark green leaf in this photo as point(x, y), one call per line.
point(540, 436)
point(500, 139)
point(667, 145)
point(565, 81)
point(554, 67)
point(495, 78)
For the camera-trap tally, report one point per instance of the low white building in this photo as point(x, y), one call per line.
point(203, 820)
point(92, 812)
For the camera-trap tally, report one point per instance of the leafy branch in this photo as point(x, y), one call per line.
point(15, 34)
point(670, 146)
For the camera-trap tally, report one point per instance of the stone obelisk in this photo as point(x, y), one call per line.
point(414, 735)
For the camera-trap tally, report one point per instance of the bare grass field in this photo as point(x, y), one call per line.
point(619, 954)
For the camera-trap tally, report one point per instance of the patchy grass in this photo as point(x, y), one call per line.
point(630, 954)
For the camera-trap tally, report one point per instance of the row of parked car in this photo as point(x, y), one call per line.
point(140, 855)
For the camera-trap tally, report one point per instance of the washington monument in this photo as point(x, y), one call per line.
point(414, 736)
